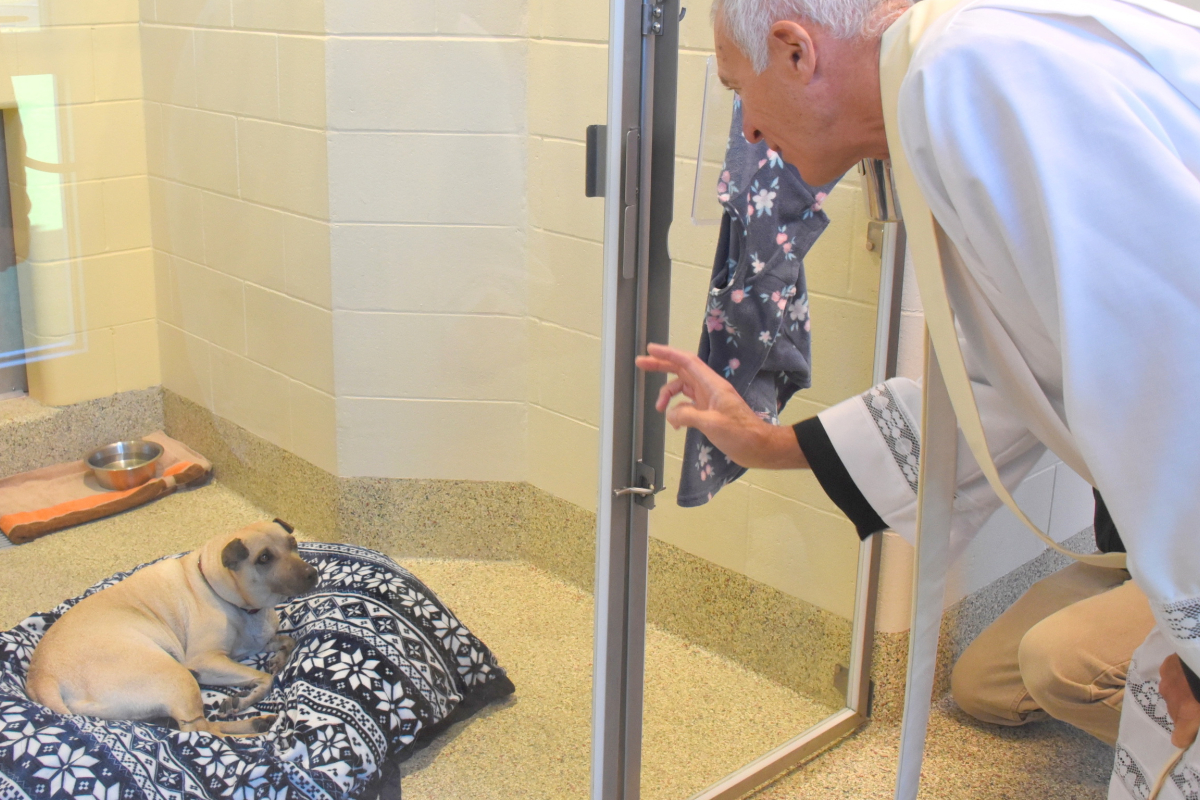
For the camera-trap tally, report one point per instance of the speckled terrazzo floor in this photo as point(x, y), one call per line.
point(704, 718)
point(704, 714)
point(963, 759)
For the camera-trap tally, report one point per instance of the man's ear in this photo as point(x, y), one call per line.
point(234, 554)
point(790, 40)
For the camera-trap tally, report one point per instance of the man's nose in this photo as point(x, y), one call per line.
point(753, 135)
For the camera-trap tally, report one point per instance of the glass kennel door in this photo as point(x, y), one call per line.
point(754, 650)
point(349, 240)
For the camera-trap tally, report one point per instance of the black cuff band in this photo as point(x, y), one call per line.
point(1192, 679)
point(831, 473)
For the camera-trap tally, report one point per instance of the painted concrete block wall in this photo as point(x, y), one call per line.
point(568, 76)
point(70, 81)
point(428, 210)
point(235, 118)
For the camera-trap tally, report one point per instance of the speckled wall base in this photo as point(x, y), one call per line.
point(433, 518)
point(33, 436)
point(961, 623)
point(278, 481)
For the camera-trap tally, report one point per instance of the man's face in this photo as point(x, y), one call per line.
point(792, 105)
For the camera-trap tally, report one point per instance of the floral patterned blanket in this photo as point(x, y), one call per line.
point(756, 324)
point(380, 662)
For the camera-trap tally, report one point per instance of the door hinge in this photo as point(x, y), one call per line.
point(874, 236)
point(652, 18)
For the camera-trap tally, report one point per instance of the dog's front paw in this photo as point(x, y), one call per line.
point(283, 646)
point(263, 724)
point(228, 706)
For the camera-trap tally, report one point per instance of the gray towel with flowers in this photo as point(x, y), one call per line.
point(756, 326)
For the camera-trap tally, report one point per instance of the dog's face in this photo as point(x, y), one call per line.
point(263, 561)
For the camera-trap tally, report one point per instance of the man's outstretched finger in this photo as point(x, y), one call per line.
point(652, 364)
point(687, 364)
point(668, 391)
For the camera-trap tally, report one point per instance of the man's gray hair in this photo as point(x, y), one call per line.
point(748, 22)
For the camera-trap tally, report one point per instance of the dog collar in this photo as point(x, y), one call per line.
point(200, 566)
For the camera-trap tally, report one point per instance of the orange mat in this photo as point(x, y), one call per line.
point(45, 500)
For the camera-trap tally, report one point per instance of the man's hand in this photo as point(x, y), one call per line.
point(715, 408)
point(1181, 703)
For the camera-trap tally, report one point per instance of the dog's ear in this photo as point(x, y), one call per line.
point(283, 525)
point(234, 554)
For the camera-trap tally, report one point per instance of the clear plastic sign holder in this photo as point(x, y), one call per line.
point(710, 154)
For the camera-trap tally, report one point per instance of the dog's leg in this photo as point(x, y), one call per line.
point(281, 648)
point(218, 669)
point(188, 712)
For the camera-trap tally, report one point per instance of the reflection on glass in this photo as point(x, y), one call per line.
point(21, 15)
point(752, 594)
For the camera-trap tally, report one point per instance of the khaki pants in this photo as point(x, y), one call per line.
point(1061, 650)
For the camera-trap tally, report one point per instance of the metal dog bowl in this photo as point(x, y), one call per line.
point(125, 465)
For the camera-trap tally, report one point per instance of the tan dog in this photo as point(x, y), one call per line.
point(140, 648)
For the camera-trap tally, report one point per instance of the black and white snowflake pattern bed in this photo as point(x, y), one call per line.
point(380, 663)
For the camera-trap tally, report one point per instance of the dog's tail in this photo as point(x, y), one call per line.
point(44, 689)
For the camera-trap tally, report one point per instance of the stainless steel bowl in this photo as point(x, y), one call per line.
point(125, 465)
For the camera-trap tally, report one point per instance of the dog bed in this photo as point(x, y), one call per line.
point(380, 665)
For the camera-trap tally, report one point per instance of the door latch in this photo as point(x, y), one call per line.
point(643, 493)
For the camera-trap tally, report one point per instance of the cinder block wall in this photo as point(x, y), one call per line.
point(235, 127)
point(70, 78)
point(428, 205)
point(568, 80)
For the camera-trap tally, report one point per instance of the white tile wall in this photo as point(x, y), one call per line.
point(564, 279)
point(304, 16)
point(564, 372)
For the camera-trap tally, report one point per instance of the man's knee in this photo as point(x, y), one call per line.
point(1051, 670)
point(967, 685)
point(986, 685)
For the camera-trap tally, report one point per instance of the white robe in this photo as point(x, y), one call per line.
point(1060, 154)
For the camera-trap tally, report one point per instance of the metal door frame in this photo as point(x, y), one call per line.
point(638, 191)
point(638, 186)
